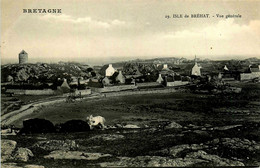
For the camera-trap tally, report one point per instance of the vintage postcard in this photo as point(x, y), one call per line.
point(127, 83)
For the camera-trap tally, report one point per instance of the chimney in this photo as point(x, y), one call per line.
point(165, 66)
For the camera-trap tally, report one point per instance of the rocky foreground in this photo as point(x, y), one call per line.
point(131, 145)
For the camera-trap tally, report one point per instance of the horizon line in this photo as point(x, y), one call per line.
point(133, 58)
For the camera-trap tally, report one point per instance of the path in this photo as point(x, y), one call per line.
point(27, 109)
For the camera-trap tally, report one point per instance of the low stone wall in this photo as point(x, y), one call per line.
point(228, 79)
point(115, 88)
point(148, 84)
point(124, 93)
point(177, 83)
point(83, 92)
point(31, 92)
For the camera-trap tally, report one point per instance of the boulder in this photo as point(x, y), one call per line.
point(75, 155)
point(179, 149)
point(75, 126)
point(57, 145)
point(37, 125)
point(22, 75)
point(10, 165)
point(236, 144)
point(194, 126)
point(131, 126)
point(111, 127)
point(173, 125)
point(14, 165)
point(208, 125)
point(174, 151)
point(201, 132)
point(223, 128)
point(151, 161)
point(7, 148)
point(23, 154)
point(118, 126)
point(107, 137)
point(213, 159)
point(33, 166)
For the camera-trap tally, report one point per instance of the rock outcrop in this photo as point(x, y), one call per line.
point(236, 143)
point(131, 126)
point(7, 149)
point(14, 165)
point(23, 154)
point(214, 160)
point(192, 159)
point(107, 137)
point(179, 150)
point(52, 145)
point(173, 125)
point(77, 155)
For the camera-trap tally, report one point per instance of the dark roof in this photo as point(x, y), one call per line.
point(23, 52)
point(189, 66)
point(177, 78)
point(102, 71)
point(170, 79)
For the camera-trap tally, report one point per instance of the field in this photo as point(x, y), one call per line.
point(11, 103)
point(175, 129)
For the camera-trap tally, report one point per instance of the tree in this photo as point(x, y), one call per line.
point(89, 69)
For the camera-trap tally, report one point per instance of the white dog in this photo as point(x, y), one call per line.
point(96, 121)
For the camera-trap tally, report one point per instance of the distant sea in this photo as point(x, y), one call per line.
point(112, 59)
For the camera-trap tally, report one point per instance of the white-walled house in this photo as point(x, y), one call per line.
point(160, 79)
point(165, 67)
point(196, 70)
point(226, 68)
point(110, 70)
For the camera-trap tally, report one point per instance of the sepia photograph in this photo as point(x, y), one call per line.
point(130, 83)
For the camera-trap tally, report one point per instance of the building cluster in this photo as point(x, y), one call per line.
point(155, 73)
point(161, 74)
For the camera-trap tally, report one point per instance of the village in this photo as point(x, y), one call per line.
point(53, 79)
point(153, 112)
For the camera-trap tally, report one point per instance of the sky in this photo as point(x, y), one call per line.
point(106, 31)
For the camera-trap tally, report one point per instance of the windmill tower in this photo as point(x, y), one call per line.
point(23, 57)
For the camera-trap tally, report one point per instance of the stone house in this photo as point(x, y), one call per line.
point(120, 77)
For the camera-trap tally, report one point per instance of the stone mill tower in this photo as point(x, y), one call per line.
point(23, 57)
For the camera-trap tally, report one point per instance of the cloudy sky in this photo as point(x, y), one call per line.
point(109, 30)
